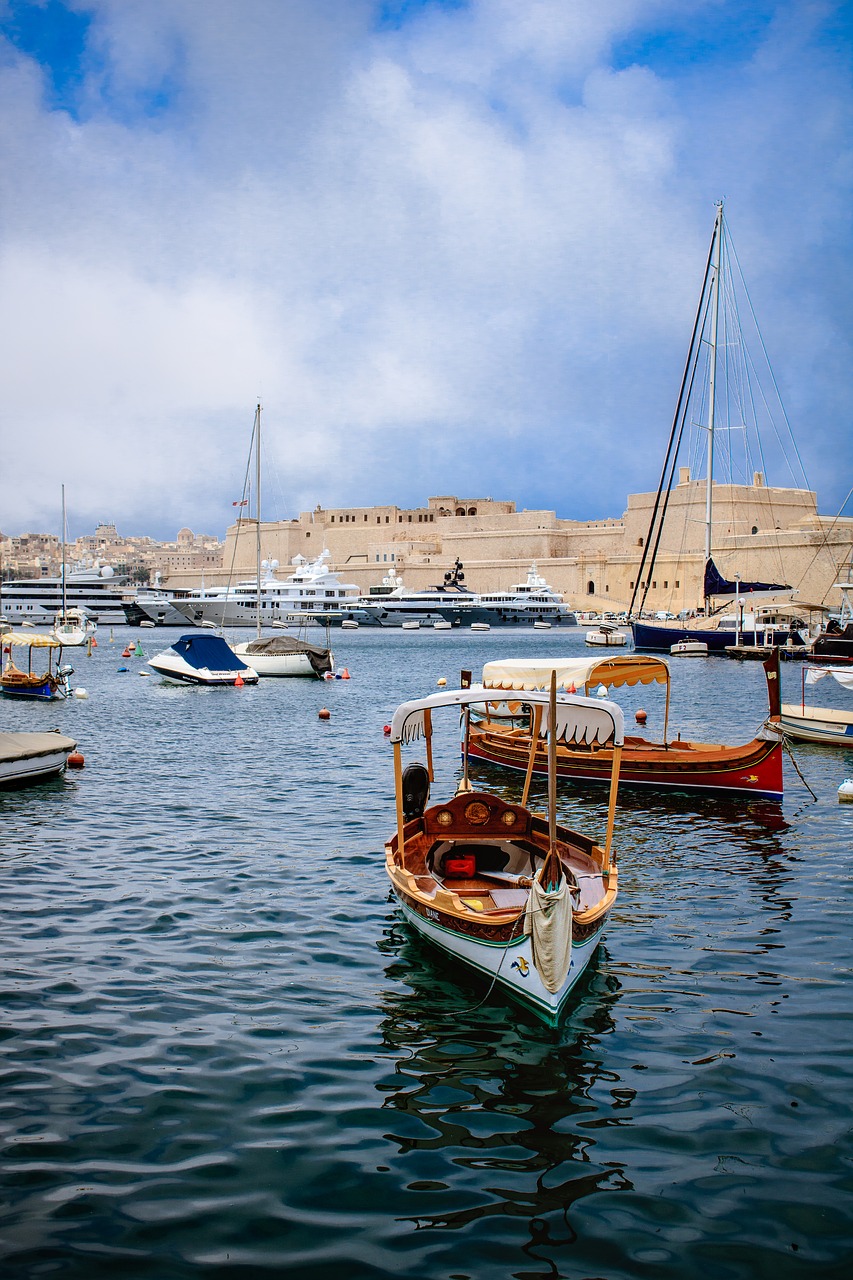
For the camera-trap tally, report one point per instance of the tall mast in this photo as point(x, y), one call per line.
point(258, 512)
point(712, 384)
point(63, 553)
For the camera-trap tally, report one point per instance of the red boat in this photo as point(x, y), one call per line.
point(504, 733)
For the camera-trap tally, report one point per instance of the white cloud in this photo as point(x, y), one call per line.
point(468, 248)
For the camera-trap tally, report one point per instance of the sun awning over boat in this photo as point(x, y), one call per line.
point(578, 719)
point(33, 639)
point(574, 673)
point(844, 678)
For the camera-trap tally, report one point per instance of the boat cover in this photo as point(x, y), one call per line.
point(844, 678)
point(717, 585)
point(574, 673)
point(208, 652)
point(26, 746)
point(274, 646)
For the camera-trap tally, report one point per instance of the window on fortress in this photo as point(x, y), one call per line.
point(333, 520)
point(387, 518)
point(755, 528)
point(631, 588)
point(410, 519)
point(430, 517)
point(654, 585)
point(590, 588)
point(472, 511)
point(399, 519)
point(365, 519)
point(677, 583)
point(460, 511)
point(639, 542)
point(665, 585)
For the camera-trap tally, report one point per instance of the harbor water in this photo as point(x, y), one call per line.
point(224, 1057)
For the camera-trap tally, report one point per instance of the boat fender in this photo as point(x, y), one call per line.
point(324, 714)
point(345, 675)
point(601, 691)
point(640, 716)
point(386, 729)
point(845, 792)
point(81, 693)
point(338, 675)
point(239, 682)
point(124, 669)
point(330, 675)
point(76, 760)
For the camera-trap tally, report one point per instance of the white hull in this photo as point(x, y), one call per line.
point(605, 639)
point(818, 724)
point(511, 964)
point(25, 757)
point(173, 668)
point(279, 664)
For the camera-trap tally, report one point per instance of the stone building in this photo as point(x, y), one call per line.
point(759, 532)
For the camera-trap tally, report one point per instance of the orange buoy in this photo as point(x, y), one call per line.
point(94, 643)
point(127, 653)
point(640, 716)
point(239, 682)
point(345, 675)
point(324, 714)
point(75, 760)
point(386, 729)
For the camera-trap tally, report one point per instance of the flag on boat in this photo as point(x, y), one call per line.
point(244, 503)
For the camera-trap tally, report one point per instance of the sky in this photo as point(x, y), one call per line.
point(453, 246)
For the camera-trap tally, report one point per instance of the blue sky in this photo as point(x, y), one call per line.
point(454, 246)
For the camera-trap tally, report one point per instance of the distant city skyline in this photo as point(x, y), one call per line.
point(450, 245)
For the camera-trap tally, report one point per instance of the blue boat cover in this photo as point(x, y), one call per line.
point(208, 651)
point(717, 585)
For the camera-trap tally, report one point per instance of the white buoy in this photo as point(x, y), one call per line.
point(601, 691)
point(845, 791)
point(81, 693)
point(441, 682)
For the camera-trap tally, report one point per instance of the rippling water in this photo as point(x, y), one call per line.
point(223, 1056)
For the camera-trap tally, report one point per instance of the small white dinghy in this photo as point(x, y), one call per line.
point(29, 757)
point(541, 626)
point(480, 626)
point(349, 624)
point(411, 626)
point(606, 637)
point(442, 626)
point(689, 649)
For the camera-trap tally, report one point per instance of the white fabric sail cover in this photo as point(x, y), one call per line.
point(548, 921)
point(844, 678)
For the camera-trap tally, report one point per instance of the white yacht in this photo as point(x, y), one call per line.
point(312, 593)
point(528, 602)
point(95, 588)
point(391, 604)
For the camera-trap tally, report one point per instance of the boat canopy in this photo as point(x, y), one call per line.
point(578, 719)
point(33, 639)
point(574, 673)
point(207, 651)
point(844, 678)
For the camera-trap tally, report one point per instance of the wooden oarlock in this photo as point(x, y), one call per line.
point(534, 742)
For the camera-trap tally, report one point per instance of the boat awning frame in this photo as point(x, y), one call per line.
point(579, 719)
point(32, 639)
point(517, 674)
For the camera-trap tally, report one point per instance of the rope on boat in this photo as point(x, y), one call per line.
point(786, 744)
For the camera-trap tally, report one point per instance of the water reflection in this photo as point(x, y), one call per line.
point(495, 1111)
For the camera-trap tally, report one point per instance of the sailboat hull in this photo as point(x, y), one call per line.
point(660, 638)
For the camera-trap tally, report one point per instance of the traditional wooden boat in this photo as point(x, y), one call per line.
point(509, 724)
point(41, 686)
point(512, 895)
point(827, 725)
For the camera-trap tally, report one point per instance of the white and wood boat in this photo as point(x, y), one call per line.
point(202, 658)
point(511, 895)
point(827, 725)
point(29, 757)
point(48, 685)
point(72, 625)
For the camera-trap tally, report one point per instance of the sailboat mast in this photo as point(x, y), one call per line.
point(258, 513)
point(63, 553)
point(712, 382)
